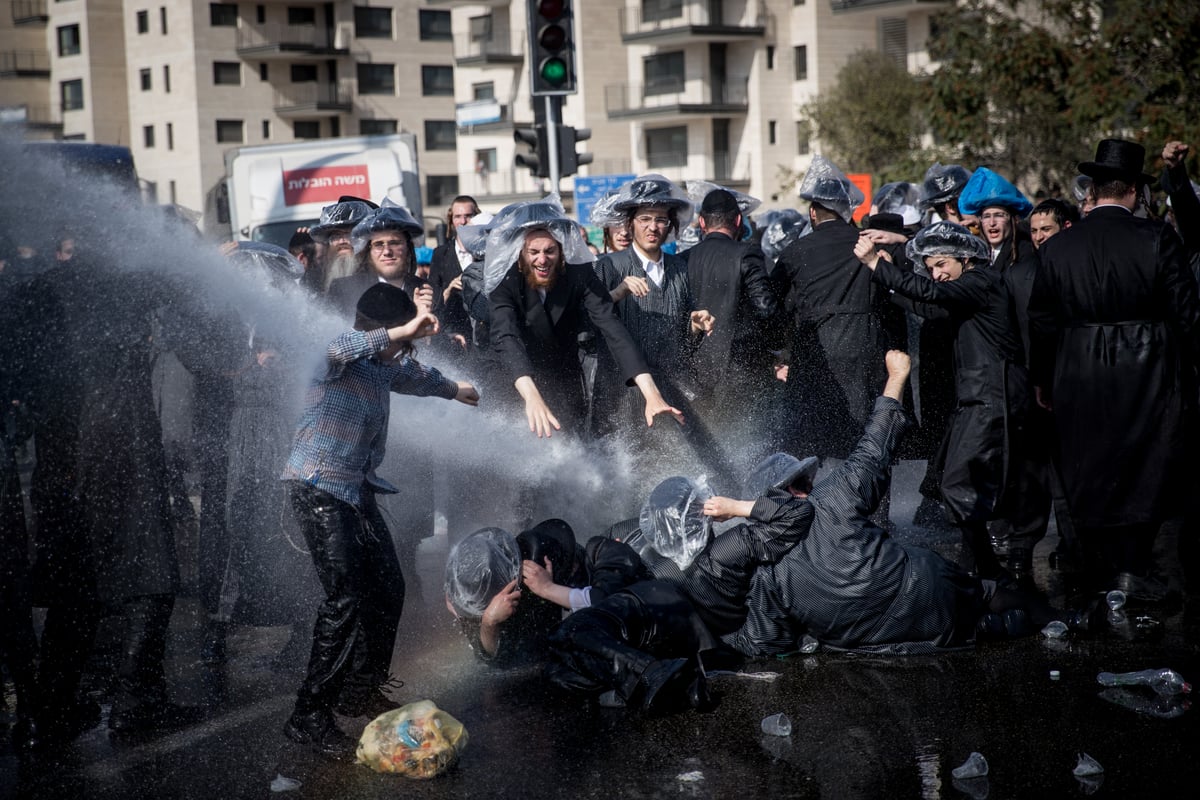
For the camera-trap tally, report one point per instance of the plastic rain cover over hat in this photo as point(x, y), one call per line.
point(827, 186)
point(783, 227)
point(688, 238)
point(673, 519)
point(389, 217)
point(899, 197)
point(987, 189)
point(473, 236)
point(777, 471)
point(647, 190)
point(946, 239)
point(698, 190)
point(478, 568)
point(417, 740)
point(941, 183)
point(1081, 187)
point(603, 215)
point(271, 258)
point(345, 214)
point(507, 236)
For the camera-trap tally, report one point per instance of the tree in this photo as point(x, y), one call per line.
point(870, 119)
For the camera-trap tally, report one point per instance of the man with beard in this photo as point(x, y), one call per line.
point(333, 233)
point(445, 270)
point(382, 244)
point(540, 304)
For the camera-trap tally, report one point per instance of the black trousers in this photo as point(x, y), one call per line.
point(356, 563)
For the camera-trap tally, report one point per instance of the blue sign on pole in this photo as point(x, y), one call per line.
point(589, 190)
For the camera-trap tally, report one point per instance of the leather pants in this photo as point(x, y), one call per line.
point(356, 562)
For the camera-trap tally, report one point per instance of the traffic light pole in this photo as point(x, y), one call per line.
point(553, 119)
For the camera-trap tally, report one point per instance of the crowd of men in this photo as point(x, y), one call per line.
point(1056, 349)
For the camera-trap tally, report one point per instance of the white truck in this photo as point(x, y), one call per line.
point(270, 190)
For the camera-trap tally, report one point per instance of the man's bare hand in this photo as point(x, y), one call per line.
point(703, 322)
point(1174, 153)
point(454, 286)
point(898, 367)
point(724, 508)
point(423, 298)
point(866, 251)
point(884, 237)
point(631, 285)
point(1042, 397)
point(422, 325)
point(467, 394)
point(502, 606)
point(538, 578)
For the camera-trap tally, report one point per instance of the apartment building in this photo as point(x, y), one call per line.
point(690, 88)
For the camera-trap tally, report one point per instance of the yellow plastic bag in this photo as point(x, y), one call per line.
point(418, 740)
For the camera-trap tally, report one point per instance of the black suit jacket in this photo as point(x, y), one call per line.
point(443, 269)
point(344, 292)
point(542, 340)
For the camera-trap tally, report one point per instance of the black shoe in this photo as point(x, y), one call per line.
point(147, 717)
point(366, 699)
point(318, 730)
point(666, 686)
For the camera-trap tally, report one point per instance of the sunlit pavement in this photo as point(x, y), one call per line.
point(863, 727)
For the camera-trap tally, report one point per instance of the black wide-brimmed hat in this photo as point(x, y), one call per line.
point(1118, 159)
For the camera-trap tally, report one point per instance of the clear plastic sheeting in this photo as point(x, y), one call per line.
point(474, 236)
point(783, 227)
point(506, 236)
point(688, 238)
point(270, 258)
point(478, 568)
point(988, 189)
point(673, 519)
point(893, 197)
point(946, 239)
point(975, 766)
point(777, 471)
point(643, 191)
point(1081, 187)
point(388, 217)
point(827, 186)
point(344, 215)
point(698, 190)
point(418, 740)
point(1087, 767)
point(941, 183)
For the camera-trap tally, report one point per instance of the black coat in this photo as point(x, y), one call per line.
point(344, 292)
point(1114, 311)
point(729, 280)
point(843, 324)
point(850, 585)
point(991, 384)
point(542, 340)
point(443, 269)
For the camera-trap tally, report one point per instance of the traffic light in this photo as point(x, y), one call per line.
point(551, 47)
point(538, 157)
point(569, 161)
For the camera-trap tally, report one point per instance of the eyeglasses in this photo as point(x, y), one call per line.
point(390, 244)
point(337, 236)
point(646, 220)
point(994, 215)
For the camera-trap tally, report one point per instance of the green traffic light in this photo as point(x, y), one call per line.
point(554, 71)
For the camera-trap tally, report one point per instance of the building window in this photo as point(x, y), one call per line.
point(437, 80)
point(266, 129)
point(484, 91)
point(803, 138)
point(770, 56)
point(68, 40)
point(663, 73)
point(222, 15)
point(262, 71)
point(306, 129)
point(227, 73)
point(144, 78)
point(335, 127)
point(440, 134)
point(302, 15)
point(372, 22)
point(376, 127)
point(657, 10)
point(167, 78)
point(771, 131)
point(148, 136)
point(485, 162)
point(230, 131)
point(304, 73)
point(666, 147)
point(435, 25)
point(171, 186)
point(71, 94)
point(170, 136)
point(480, 28)
point(377, 79)
point(143, 21)
point(440, 189)
point(162, 19)
point(800, 56)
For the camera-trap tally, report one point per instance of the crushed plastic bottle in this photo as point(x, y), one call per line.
point(808, 644)
point(777, 725)
point(284, 784)
point(1115, 599)
point(1164, 682)
point(1157, 706)
point(1055, 630)
point(1087, 767)
point(975, 766)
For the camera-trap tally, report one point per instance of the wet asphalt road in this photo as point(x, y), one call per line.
point(863, 727)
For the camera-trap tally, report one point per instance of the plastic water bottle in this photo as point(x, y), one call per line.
point(975, 766)
point(777, 725)
point(1055, 630)
point(1165, 682)
point(1115, 599)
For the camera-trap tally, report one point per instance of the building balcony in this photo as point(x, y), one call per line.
point(895, 5)
point(29, 12)
point(456, 3)
point(483, 116)
point(502, 47)
point(677, 98)
point(40, 118)
point(24, 64)
point(280, 42)
point(666, 22)
point(313, 100)
point(727, 169)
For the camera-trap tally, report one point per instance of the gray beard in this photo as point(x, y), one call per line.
point(341, 267)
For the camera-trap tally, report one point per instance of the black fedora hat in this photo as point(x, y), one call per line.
point(1117, 159)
